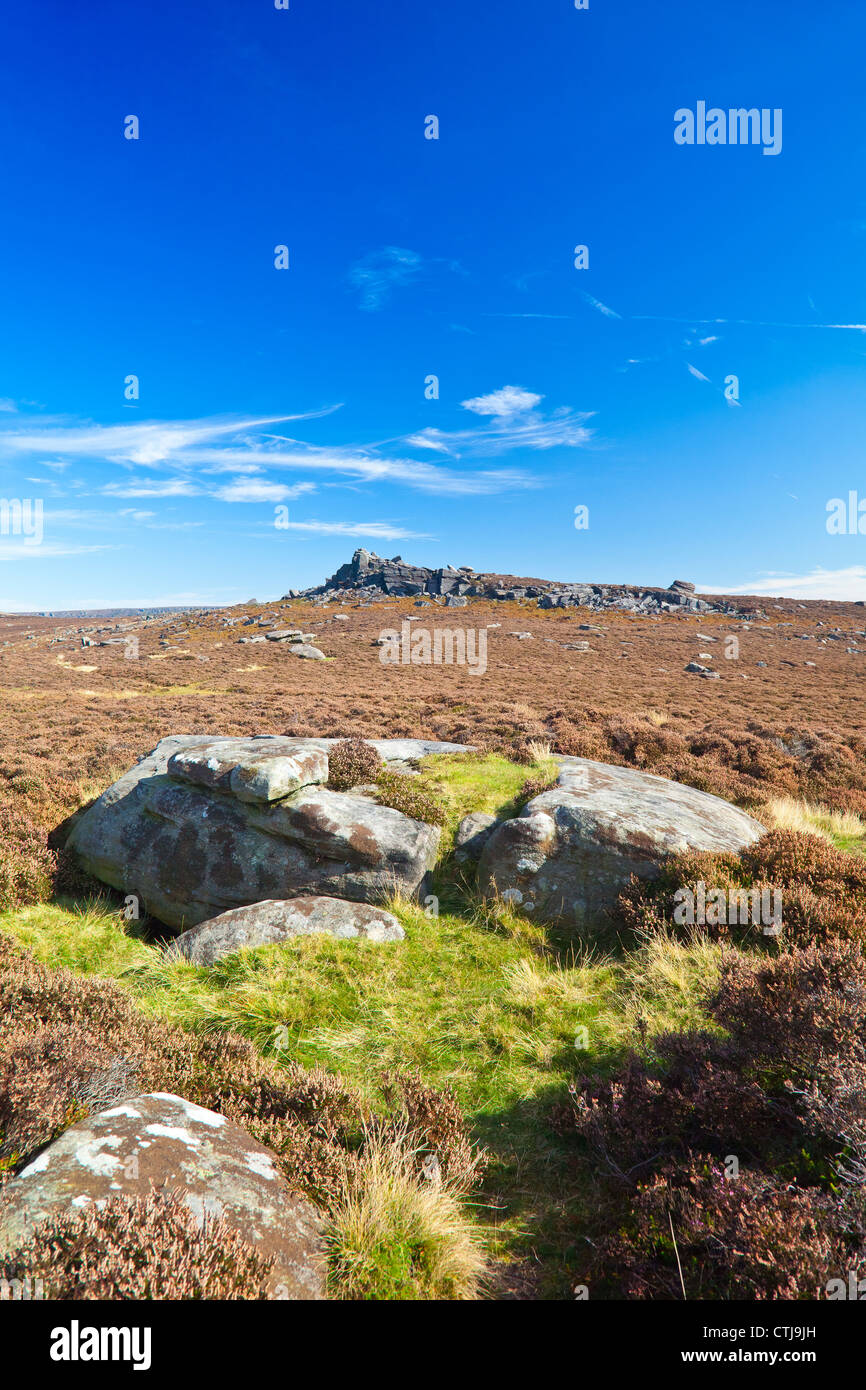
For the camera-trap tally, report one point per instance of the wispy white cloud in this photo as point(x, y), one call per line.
point(533, 316)
point(528, 429)
point(47, 550)
point(504, 403)
point(172, 487)
point(841, 586)
point(191, 449)
point(260, 490)
point(155, 442)
point(184, 599)
point(189, 453)
point(694, 371)
point(424, 441)
point(380, 272)
point(369, 468)
point(378, 530)
point(93, 519)
point(602, 308)
point(749, 323)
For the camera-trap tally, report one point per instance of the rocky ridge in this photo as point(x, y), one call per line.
point(369, 577)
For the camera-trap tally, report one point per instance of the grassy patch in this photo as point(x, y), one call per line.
point(465, 782)
point(392, 1238)
point(477, 998)
point(480, 1003)
point(844, 829)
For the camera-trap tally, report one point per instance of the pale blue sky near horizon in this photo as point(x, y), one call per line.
point(408, 257)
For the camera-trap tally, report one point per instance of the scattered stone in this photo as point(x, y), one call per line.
point(273, 922)
point(312, 653)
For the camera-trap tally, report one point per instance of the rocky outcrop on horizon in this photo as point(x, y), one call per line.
point(369, 577)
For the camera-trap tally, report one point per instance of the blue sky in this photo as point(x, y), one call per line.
point(410, 257)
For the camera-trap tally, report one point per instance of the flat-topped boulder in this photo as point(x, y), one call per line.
point(165, 1142)
point(572, 849)
point(273, 923)
point(205, 824)
point(254, 769)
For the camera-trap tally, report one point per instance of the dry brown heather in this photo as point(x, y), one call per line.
point(73, 716)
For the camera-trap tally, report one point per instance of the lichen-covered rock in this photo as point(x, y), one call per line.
point(203, 825)
point(571, 851)
point(162, 1141)
point(304, 650)
point(254, 770)
point(270, 923)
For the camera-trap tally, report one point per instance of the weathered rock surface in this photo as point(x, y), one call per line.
point(162, 1141)
point(270, 923)
point(303, 649)
point(572, 849)
point(473, 832)
point(253, 770)
point(202, 825)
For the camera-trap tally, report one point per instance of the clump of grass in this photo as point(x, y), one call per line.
point(842, 828)
point(540, 752)
point(401, 1234)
